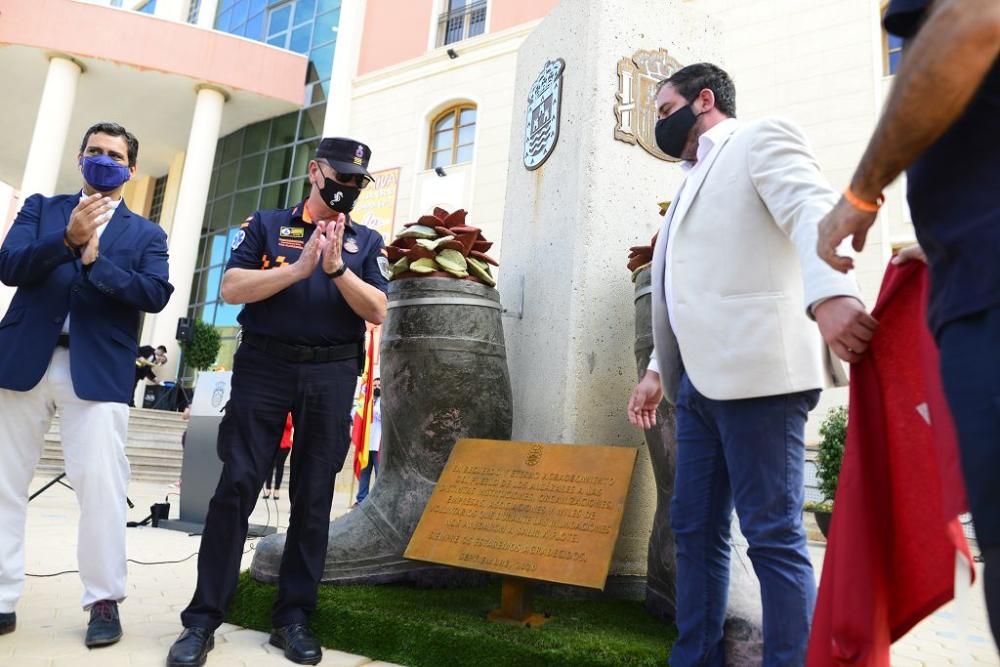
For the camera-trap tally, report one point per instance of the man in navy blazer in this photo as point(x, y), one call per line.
point(84, 267)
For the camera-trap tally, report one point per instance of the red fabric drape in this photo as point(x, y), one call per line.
point(890, 559)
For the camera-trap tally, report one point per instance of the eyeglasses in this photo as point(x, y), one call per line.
point(357, 180)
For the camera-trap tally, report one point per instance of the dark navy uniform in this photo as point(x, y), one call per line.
point(302, 352)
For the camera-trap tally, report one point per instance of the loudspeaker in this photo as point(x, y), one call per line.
point(185, 330)
point(159, 512)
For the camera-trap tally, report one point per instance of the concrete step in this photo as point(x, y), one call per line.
point(153, 446)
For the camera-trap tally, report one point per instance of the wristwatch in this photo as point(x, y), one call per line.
point(339, 272)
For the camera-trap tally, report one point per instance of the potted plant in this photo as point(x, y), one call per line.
point(201, 351)
point(833, 434)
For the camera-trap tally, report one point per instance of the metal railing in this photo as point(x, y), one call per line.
point(459, 24)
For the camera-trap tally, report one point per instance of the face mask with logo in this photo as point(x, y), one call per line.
point(104, 174)
point(340, 198)
point(672, 132)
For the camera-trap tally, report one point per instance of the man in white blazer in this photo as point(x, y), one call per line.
point(737, 285)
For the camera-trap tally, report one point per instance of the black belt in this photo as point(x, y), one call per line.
point(304, 353)
point(63, 340)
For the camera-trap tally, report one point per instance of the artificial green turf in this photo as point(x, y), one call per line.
point(437, 628)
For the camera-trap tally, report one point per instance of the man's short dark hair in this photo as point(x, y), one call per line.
point(691, 80)
point(115, 130)
point(161, 348)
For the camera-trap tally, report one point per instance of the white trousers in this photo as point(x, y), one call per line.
point(93, 440)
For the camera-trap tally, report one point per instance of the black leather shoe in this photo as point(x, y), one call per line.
point(104, 628)
point(8, 622)
point(299, 644)
point(191, 648)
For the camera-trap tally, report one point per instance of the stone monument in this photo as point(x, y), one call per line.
point(568, 225)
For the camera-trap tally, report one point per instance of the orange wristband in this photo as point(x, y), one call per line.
point(862, 205)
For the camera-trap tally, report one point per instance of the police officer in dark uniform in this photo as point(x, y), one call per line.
point(309, 279)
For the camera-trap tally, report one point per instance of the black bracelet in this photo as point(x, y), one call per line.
point(339, 272)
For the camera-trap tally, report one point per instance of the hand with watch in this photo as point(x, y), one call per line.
point(333, 262)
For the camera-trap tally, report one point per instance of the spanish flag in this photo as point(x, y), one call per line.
point(364, 405)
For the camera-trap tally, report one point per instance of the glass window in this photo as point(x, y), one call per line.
point(273, 196)
point(322, 58)
point(232, 146)
point(298, 191)
point(227, 179)
point(257, 6)
point(251, 172)
point(225, 316)
point(893, 54)
point(303, 153)
point(244, 204)
point(452, 137)
point(279, 163)
point(148, 8)
point(240, 9)
point(278, 40)
point(312, 122)
point(299, 42)
point(323, 27)
point(278, 19)
point(255, 138)
point(193, 9)
point(208, 313)
point(218, 250)
point(283, 129)
point(156, 206)
point(255, 27)
point(304, 11)
point(326, 5)
point(220, 219)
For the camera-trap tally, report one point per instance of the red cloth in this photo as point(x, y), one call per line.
point(890, 559)
point(286, 437)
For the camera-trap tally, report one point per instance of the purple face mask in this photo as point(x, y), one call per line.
point(104, 174)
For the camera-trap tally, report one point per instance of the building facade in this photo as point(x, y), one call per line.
point(230, 97)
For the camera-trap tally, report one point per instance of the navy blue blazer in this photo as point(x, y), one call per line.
point(104, 300)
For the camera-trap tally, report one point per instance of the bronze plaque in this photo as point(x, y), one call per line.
point(527, 509)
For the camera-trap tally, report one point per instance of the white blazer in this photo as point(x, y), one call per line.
point(745, 270)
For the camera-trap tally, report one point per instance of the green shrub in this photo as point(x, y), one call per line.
point(833, 433)
point(201, 352)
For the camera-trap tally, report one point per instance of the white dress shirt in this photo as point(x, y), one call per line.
point(100, 230)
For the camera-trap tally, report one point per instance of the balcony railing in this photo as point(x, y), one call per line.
point(459, 24)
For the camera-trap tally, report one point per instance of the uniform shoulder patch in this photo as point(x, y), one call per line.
point(238, 239)
point(383, 266)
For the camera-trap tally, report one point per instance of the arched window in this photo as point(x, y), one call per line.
point(453, 134)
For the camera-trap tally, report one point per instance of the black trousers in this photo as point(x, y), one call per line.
point(280, 457)
point(264, 390)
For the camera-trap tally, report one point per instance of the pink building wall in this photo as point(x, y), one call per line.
point(146, 42)
point(399, 31)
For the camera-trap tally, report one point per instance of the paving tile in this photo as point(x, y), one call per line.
point(247, 638)
point(104, 657)
point(26, 662)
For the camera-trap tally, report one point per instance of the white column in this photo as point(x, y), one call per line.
point(206, 14)
point(48, 142)
point(337, 122)
point(188, 216)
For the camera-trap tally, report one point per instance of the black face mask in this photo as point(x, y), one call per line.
point(672, 132)
point(377, 392)
point(340, 198)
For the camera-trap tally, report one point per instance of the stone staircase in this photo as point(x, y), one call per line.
point(153, 446)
